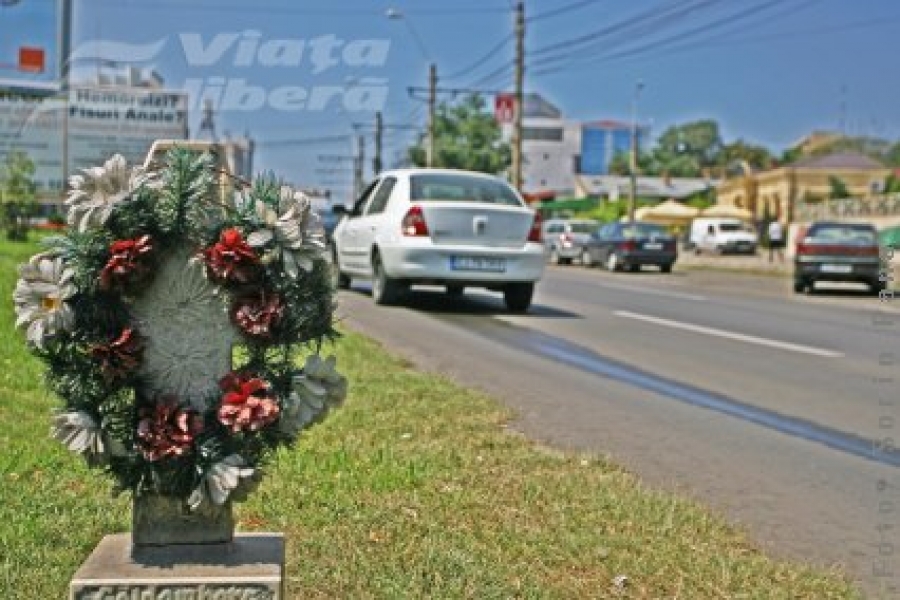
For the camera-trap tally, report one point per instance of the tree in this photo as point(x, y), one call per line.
point(892, 156)
point(466, 136)
point(17, 192)
point(688, 150)
point(621, 164)
point(739, 151)
point(838, 189)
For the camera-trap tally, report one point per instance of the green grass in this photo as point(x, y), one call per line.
point(415, 488)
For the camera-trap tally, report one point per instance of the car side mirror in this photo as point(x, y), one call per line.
point(339, 209)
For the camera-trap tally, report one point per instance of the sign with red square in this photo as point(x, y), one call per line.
point(505, 108)
point(31, 60)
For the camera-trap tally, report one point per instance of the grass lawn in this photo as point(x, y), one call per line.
point(414, 489)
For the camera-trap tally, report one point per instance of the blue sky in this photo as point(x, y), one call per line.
point(769, 71)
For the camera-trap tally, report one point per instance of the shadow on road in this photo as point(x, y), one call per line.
point(475, 302)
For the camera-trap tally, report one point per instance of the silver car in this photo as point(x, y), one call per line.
point(456, 229)
point(564, 238)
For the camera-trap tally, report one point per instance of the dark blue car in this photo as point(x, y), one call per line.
point(621, 246)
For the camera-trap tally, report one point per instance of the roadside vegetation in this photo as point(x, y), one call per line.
point(415, 488)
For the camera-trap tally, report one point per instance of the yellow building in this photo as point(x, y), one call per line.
point(775, 193)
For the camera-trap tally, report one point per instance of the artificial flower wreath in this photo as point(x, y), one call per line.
point(172, 316)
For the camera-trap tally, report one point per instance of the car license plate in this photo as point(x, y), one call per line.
point(836, 268)
point(653, 246)
point(477, 263)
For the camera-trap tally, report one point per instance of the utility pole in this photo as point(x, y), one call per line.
point(633, 162)
point(358, 166)
point(432, 105)
point(520, 97)
point(379, 128)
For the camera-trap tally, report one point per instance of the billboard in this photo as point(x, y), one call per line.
point(34, 44)
point(100, 122)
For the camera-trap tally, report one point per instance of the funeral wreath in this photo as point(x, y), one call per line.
point(182, 326)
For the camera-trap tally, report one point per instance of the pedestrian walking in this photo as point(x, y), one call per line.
point(776, 241)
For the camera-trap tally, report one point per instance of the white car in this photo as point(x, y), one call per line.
point(444, 227)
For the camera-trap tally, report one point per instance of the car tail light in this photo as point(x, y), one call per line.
point(803, 249)
point(627, 245)
point(565, 239)
point(534, 235)
point(413, 223)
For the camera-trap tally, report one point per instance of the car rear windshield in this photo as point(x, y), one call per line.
point(842, 234)
point(584, 227)
point(641, 230)
point(464, 188)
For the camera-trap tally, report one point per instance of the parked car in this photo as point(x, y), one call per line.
point(563, 238)
point(840, 252)
point(456, 229)
point(722, 235)
point(630, 246)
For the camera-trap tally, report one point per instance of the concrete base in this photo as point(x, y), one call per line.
point(250, 567)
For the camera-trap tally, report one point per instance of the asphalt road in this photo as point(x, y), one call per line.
point(779, 411)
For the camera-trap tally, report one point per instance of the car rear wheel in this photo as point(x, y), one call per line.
point(385, 291)
point(803, 286)
point(666, 268)
point(612, 262)
point(554, 256)
point(877, 286)
point(518, 296)
point(587, 259)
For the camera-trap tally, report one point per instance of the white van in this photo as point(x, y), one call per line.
point(722, 235)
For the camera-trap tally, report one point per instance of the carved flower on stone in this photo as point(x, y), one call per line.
point(248, 403)
point(293, 232)
point(97, 191)
point(166, 430)
point(231, 259)
point(314, 392)
point(223, 479)
point(44, 285)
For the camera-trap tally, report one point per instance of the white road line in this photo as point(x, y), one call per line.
point(653, 292)
point(750, 339)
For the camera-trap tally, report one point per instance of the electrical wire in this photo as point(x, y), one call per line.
point(559, 11)
point(480, 61)
point(664, 43)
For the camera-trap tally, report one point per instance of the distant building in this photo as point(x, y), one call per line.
point(617, 187)
point(775, 193)
point(555, 149)
point(602, 141)
point(550, 148)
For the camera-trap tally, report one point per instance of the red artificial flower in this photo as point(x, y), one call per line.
point(167, 430)
point(231, 259)
point(256, 316)
point(248, 403)
point(120, 356)
point(128, 262)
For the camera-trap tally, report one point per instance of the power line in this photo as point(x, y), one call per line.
point(559, 11)
point(637, 26)
point(482, 60)
point(665, 42)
